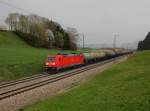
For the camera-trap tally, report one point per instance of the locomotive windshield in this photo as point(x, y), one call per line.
point(51, 59)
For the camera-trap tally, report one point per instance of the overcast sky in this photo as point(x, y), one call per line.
point(99, 20)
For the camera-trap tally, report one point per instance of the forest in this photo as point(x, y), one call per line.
point(42, 32)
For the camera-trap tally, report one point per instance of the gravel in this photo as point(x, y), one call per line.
point(27, 98)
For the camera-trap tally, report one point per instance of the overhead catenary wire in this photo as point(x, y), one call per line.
point(16, 7)
point(19, 8)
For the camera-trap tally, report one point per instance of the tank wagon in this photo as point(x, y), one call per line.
point(62, 60)
point(93, 56)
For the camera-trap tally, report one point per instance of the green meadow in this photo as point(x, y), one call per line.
point(18, 59)
point(124, 87)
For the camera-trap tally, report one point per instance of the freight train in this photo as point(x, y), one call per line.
point(63, 60)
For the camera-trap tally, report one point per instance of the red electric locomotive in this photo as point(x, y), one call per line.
point(61, 61)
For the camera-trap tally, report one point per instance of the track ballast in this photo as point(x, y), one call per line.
point(48, 80)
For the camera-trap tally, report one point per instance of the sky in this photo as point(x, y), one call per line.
point(99, 20)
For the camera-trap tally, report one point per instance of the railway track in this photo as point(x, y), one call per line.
point(24, 88)
point(22, 80)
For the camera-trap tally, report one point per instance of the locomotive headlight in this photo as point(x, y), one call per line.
point(53, 63)
point(47, 63)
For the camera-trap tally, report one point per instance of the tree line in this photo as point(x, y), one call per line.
point(145, 44)
point(42, 32)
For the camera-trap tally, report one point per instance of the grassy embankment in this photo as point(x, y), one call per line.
point(125, 87)
point(18, 59)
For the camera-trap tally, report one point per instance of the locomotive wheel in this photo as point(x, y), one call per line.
point(45, 69)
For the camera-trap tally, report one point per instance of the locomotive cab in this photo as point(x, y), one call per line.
point(53, 62)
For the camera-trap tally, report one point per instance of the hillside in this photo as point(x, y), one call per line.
point(124, 87)
point(18, 59)
point(41, 32)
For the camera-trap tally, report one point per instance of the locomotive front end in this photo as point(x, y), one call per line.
point(50, 63)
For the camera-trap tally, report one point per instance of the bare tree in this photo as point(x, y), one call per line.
point(12, 20)
point(23, 23)
point(50, 37)
point(73, 37)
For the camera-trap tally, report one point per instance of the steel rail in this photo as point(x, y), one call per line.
point(11, 83)
point(16, 91)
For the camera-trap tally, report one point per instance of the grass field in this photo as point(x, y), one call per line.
point(124, 87)
point(18, 59)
